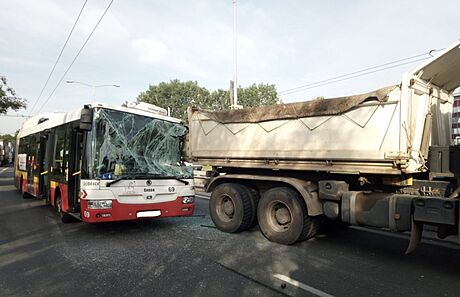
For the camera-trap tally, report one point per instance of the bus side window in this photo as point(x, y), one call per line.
point(66, 151)
point(22, 154)
point(58, 162)
point(27, 151)
point(36, 151)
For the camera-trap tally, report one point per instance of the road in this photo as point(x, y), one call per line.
point(40, 256)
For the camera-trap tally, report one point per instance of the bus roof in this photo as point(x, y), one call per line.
point(38, 123)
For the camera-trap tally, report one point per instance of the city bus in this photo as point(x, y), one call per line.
point(106, 163)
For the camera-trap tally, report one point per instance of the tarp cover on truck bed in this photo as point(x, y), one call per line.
point(319, 107)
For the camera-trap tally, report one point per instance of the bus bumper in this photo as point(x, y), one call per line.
point(127, 212)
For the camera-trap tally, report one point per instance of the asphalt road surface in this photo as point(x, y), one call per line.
point(40, 256)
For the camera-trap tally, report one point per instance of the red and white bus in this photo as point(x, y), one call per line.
point(106, 163)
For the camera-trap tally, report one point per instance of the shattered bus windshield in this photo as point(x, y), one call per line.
point(130, 145)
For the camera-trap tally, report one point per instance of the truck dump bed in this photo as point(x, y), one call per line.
point(387, 131)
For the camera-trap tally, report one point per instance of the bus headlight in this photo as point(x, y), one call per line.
point(188, 199)
point(99, 204)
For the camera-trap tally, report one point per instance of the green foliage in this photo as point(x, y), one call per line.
point(8, 137)
point(257, 95)
point(218, 100)
point(318, 98)
point(179, 95)
point(8, 98)
point(176, 95)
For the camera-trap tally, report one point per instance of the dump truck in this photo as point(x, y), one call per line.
point(382, 159)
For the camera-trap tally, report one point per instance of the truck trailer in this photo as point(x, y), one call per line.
point(381, 159)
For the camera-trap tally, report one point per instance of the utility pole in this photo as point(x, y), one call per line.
point(234, 104)
point(231, 91)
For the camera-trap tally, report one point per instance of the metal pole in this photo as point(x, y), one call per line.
point(235, 59)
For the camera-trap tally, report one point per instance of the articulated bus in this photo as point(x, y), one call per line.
point(106, 163)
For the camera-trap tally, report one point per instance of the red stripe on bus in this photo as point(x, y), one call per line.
point(64, 197)
point(35, 189)
point(25, 188)
point(125, 212)
point(53, 196)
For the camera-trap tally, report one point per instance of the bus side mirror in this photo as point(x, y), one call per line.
point(86, 119)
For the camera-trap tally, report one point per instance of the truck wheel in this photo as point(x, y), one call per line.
point(65, 217)
point(254, 196)
point(283, 217)
point(230, 207)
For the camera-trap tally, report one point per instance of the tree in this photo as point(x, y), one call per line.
point(219, 100)
point(176, 95)
point(257, 95)
point(179, 95)
point(8, 98)
point(8, 137)
point(318, 98)
point(252, 96)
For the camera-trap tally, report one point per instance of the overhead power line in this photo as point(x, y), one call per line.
point(328, 82)
point(362, 72)
point(76, 56)
point(15, 116)
point(59, 57)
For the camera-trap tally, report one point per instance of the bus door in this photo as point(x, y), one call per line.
point(44, 166)
point(76, 146)
point(32, 165)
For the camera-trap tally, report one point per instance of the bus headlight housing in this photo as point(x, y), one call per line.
point(99, 204)
point(188, 199)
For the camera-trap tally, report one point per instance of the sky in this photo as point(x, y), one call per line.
point(138, 43)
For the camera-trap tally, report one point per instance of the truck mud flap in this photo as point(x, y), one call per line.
point(432, 211)
point(415, 236)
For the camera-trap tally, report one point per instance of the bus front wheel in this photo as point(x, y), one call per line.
point(65, 217)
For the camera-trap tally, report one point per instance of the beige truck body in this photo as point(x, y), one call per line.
point(387, 131)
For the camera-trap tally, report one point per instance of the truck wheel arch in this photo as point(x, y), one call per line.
point(306, 189)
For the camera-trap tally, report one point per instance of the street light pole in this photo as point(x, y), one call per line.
point(93, 87)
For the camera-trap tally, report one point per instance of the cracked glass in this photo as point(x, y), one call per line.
point(127, 144)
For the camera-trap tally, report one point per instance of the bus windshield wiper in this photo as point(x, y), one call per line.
point(122, 177)
point(159, 176)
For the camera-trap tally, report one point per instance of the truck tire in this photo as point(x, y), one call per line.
point(283, 217)
point(254, 196)
point(65, 217)
point(231, 208)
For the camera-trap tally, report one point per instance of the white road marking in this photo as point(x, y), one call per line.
point(7, 188)
point(302, 286)
point(3, 170)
